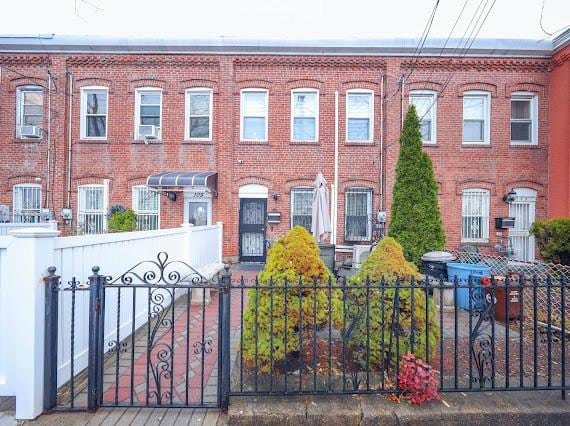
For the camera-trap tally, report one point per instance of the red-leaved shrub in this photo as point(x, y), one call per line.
point(417, 380)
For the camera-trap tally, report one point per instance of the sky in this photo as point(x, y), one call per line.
point(284, 19)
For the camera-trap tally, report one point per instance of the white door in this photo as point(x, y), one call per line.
point(523, 210)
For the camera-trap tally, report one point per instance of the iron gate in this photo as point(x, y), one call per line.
point(158, 335)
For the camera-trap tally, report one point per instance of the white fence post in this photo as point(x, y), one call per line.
point(187, 242)
point(29, 256)
point(220, 241)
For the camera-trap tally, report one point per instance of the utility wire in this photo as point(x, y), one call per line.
point(549, 34)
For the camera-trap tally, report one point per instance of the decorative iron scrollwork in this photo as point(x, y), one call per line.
point(482, 340)
point(203, 346)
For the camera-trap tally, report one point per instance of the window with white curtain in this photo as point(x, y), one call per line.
point(27, 203)
point(359, 113)
point(146, 205)
point(475, 215)
point(29, 107)
point(524, 119)
point(254, 110)
point(94, 112)
point(199, 114)
point(302, 207)
point(91, 209)
point(358, 214)
point(425, 102)
point(476, 116)
point(304, 115)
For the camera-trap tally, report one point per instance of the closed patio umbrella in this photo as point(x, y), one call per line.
point(321, 221)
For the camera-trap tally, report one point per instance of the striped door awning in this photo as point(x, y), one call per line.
point(172, 180)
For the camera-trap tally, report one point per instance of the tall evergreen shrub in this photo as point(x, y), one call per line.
point(415, 218)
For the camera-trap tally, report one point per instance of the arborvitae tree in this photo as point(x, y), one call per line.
point(415, 219)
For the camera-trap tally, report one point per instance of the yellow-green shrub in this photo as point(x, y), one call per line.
point(387, 261)
point(293, 259)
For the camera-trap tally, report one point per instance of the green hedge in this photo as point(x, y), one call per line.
point(553, 239)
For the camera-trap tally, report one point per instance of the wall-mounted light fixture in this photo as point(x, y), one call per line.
point(275, 196)
point(510, 196)
point(171, 195)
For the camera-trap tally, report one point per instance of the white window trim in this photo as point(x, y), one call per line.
point(83, 112)
point(134, 199)
point(317, 102)
point(296, 188)
point(433, 112)
point(371, 117)
point(20, 106)
point(485, 230)
point(487, 118)
point(241, 120)
point(533, 98)
point(18, 211)
point(105, 186)
point(197, 196)
point(189, 92)
point(369, 206)
point(138, 92)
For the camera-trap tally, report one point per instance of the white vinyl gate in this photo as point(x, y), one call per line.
point(523, 210)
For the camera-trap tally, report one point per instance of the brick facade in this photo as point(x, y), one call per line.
point(279, 163)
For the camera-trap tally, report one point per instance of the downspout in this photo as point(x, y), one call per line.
point(48, 159)
point(335, 194)
point(69, 101)
point(381, 182)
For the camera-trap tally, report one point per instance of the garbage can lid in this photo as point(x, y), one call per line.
point(438, 256)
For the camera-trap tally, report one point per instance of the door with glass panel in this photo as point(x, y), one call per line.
point(252, 215)
point(523, 210)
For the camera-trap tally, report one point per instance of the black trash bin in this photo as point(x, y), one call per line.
point(434, 264)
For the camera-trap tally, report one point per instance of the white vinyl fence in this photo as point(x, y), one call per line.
point(6, 228)
point(74, 257)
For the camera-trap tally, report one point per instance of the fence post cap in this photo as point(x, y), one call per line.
point(51, 270)
point(95, 270)
point(34, 233)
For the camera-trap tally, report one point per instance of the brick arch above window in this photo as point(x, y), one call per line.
point(91, 180)
point(198, 82)
point(299, 183)
point(255, 84)
point(140, 180)
point(147, 82)
point(360, 183)
point(22, 179)
point(361, 84)
point(92, 81)
point(537, 89)
point(480, 86)
point(246, 180)
point(479, 184)
point(537, 186)
point(28, 81)
point(422, 85)
point(304, 84)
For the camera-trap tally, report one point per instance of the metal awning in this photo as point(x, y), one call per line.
point(172, 180)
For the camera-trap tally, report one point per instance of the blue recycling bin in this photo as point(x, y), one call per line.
point(462, 271)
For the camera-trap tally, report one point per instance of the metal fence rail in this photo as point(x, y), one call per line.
point(351, 338)
point(504, 266)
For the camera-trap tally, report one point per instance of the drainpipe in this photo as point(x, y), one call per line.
point(381, 180)
point(335, 193)
point(69, 102)
point(48, 145)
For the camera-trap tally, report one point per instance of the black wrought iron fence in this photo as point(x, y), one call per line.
point(301, 337)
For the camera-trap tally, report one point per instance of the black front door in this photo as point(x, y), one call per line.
point(252, 214)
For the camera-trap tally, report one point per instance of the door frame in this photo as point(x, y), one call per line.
point(526, 196)
point(242, 258)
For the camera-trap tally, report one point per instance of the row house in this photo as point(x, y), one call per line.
point(205, 131)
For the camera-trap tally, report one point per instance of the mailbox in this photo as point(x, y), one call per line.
point(504, 222)
point(273, 217)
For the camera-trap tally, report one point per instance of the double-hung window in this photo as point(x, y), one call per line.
point(146, 205)
point(148, 113)
point(304, 115)
point(302, 207)
point(476, 117)
point(475, 215)
point(254, 109)
point(29, 111)
point(358, 214)
point(199, 114)
point(524, 119)
point(359, 115)
point(94, 112)
point(92, 209)
point(27, 203)
point(425, 102)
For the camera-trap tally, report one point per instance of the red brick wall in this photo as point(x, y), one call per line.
point(279, 164)
point(559, 147)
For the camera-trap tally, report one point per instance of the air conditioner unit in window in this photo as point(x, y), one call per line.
point(359, 254)
point(149, 132)
point(30, 131)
